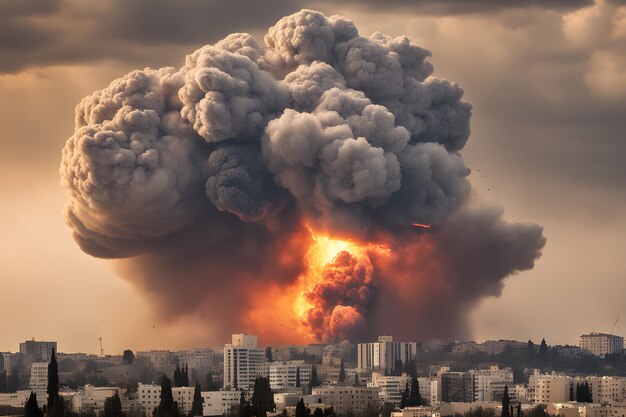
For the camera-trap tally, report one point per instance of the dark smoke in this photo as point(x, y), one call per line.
point(209, 177)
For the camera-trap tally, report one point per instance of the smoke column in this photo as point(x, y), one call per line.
point(316, 178)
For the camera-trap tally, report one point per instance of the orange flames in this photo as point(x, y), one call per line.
point(423, 226)
point(282, 314)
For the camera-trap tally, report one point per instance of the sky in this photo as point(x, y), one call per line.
point(547, 80)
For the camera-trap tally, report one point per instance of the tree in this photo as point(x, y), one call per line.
point(128, 357)
point(543, 348)
point(301, 409)
point(196, 406)
point(185, 376)
point(268, 354)
point(356, 379)
point(31, 408)
point(506, 402)
point(404, 400)
point(342, 373)
point(262, 396)
point(113, 406)
point(177, 376)
point(318, 412)
point(56, 406)
point(167, 406)
point(415, 399)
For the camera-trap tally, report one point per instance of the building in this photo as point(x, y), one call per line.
point(92, 398)
point(219, 403)
point(417, 412)
point(551, 388)
point(430, 389)
point(456, 387)
point(607, 389)
point(149, 396)
point(346, 398)
point(383, 355)
point(38, 351)
point(289, 374)
point(38, 382)
point(390, 387)
point(488, 384)
point(243, 362)
point(601, 344)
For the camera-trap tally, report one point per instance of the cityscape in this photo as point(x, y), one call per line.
point(312, 208)
point(383, 377)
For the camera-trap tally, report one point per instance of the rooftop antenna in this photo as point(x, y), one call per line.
point(101, 349)
point(614, 324)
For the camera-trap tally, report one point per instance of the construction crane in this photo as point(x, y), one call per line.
point(614, 324)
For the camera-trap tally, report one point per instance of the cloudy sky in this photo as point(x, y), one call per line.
point(547, 80)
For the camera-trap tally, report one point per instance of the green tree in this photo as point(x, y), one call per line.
point(318, 412)
point(506, 402)
point(262, 397)
point(415, 398)
point(297, 377)
point(167, 406)
point(302, 410)
point(196, 406)
point(342, 373)
point(31, 408)
point(56, 406)
point(404, 400)
point(113, 406)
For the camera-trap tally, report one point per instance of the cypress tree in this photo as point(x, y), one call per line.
point(405, 397)
point(315, 382)
point(415, 399)
point(262, 397)
point(506, 402)
point(356, 379)
point(113, 406)
point(56, 406)
point(167, 407)
point(185, 380)
point(301, 409)
point(342, 373)
point(196, 407)
point(31, 408)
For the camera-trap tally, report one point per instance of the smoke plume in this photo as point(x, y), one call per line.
point(214, 183)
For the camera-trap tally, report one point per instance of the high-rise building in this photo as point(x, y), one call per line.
point(384, 355)
point(601, 344)
point(243, 362)
point(37, 351)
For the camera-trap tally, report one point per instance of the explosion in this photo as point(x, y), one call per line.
point(317, 179)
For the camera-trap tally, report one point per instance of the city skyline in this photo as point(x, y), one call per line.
point(547, 145)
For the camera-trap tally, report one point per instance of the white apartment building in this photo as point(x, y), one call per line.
point(344, 398)
point(289, 374)
point(551, 388)
point(92, 398)
point(601, 344)
point(38, 382)
point(607, 389)
point(383, 354)
point(149, 396)
point(243, 362)
point(219, 403)
point(391, 387)
point(430, 389)
point(488, 384)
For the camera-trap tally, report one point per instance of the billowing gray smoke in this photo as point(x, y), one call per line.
point(210, 177)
